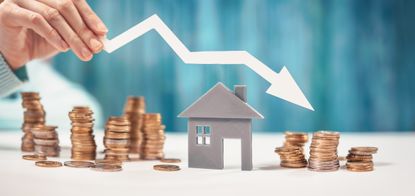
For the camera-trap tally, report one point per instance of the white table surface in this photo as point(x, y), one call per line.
point(394, 171)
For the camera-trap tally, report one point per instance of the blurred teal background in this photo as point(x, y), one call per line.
point(354, 60)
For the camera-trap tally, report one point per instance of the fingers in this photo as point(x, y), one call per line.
point(20, 17)
point(91, 19)
point(58, 22)
point(67, 9)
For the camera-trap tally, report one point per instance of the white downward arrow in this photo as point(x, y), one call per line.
point(282, 84)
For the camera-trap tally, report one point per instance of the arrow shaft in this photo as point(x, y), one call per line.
point(282, 84)
point(202, 57)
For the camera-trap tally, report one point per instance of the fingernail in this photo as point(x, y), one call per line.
point(86, 53)
point(101, 27)
point(95, 44)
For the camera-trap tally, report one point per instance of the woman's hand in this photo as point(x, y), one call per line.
point(31, 29)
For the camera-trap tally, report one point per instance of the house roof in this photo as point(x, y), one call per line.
point(220, 102)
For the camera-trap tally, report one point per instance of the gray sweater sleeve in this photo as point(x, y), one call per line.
point(9, 80)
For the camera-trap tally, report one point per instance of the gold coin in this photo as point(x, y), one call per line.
point(166, 167)
point(48, 164)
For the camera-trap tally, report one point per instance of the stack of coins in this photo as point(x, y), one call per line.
point(295, 139)
point(134, 109)
point(292, 153)
point(153, 142)
point(82, 137)
point(34, 115)
point(359, 159)
point(46, 140)
point(323, 151)
point(117, 138)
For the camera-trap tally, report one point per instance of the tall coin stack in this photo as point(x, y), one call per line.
point(292, 153)
point(34, 115)
point(153, 142)
point(82, 137)
point(117, 138)
point(46, 140)
point(134, 109)
point(323, 151)
point(359, 159)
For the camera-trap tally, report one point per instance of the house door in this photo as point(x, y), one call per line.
point(232, 153)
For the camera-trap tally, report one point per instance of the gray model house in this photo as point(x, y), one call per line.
point(218, 114)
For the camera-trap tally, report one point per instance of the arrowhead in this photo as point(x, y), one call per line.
point(286, 88)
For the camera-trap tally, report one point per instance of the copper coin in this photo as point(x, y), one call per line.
point(79, 164)
point(108, 161)
point(170, 160)
point(166, 167)
point(103, 167)
point(48, 164)
point(34, 157)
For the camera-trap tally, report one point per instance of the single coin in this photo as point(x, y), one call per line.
point(108, 161)
point(170, 160)
point(363, 150)
point(103, 167)
point(79, 164)
point(34, 157)
point(48, 164)
point(166, 167)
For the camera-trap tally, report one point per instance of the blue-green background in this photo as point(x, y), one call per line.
point(353, 59)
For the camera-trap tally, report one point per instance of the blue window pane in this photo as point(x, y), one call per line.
point(207, 130)
point(199, 130)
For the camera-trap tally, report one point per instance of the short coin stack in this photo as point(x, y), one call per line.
point(46, 140)
point(152, 147)
point(134, 109)
point(117, 138)
point(34, 115)
point(295, 139)
point(359, 159)
point(323, 151)
point(292, 153)
point(82, 137)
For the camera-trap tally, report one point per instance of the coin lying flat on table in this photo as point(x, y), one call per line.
point(34, 157)
point(166, 167)
point(108, 161)
point(102, 167)
point(170, 160)
point(48, 164)
point(79, 164)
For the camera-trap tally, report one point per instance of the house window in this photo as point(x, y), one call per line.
point(203, 134)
